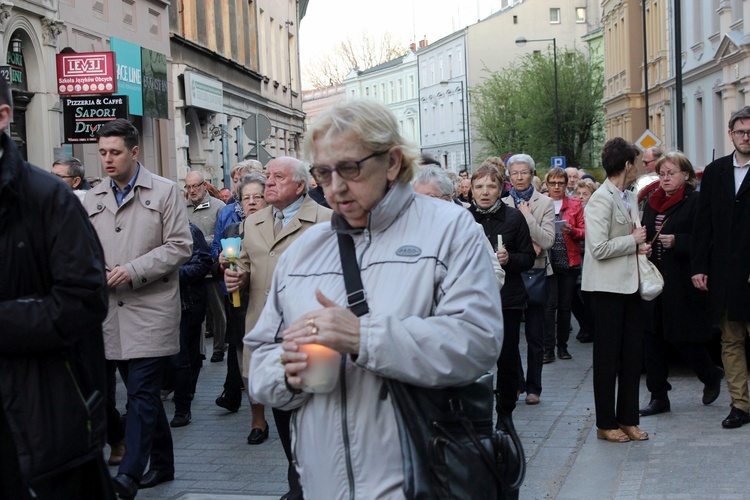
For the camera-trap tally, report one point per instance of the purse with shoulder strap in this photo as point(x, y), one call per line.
point(449, 445)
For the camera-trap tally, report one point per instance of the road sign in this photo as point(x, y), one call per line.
point(263, 156)
point(558, 162)
point(648, 140)
point(257, 131)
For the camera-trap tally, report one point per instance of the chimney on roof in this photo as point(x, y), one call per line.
point(423, 43)
point(413, 47)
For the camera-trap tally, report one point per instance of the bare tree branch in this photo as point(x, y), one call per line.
point(361, 53)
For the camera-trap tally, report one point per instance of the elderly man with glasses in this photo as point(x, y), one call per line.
point(203, 211)
point(71, 172)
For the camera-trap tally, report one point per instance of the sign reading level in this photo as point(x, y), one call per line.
point(86, 73)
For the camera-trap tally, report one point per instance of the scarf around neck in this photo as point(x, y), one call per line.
point(238, 210)
point(522, 196)
point(494, 208)
point(660, 202)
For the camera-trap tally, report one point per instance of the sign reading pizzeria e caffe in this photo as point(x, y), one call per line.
point(83, 116)
point(86, 73)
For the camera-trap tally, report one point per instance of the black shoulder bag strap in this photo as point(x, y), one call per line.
point(356, 297)
point(357, 301)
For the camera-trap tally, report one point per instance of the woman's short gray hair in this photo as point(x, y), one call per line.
point(372, 124)
point(253, 178)
point(521, 158)
point(436, 176)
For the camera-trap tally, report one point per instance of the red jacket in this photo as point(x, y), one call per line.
point(572, 211)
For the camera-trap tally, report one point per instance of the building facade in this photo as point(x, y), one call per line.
point(35, 32)
point(491, 42)
point(316, 101)
point(715, 75)
point(394, 83)
point(715, 68)
point(237, 83)
point(443, 104)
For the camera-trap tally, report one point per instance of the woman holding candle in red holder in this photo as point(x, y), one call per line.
point(434, 315)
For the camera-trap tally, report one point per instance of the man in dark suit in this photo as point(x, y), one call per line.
point(721, 245)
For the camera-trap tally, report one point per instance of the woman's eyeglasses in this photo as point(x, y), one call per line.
point(347, 170)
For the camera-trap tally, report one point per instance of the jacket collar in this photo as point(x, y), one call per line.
point(103, 190)
point(609, 186)
point(264, 220)
point(396, 200)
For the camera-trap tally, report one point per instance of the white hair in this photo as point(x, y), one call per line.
point(521, 158)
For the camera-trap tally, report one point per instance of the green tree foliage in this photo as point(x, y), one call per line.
point(514, 108)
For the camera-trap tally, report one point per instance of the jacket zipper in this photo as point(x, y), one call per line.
point(345, 429)
point(367, 245)
point(344, 419)
point(293, 425)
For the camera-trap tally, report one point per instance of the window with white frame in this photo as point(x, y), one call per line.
point(554, 15)
point(580, 14)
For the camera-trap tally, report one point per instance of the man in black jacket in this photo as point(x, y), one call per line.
point(53, 299)
point(721, 245)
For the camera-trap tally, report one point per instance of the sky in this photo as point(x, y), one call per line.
point(328, 22)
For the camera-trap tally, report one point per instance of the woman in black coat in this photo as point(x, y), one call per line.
point(681, 313)
point(516, 254)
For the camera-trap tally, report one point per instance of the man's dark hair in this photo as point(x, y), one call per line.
point(6, 96)
point(742, 114)
point(75, 168)
point(616, 153)
point(428, 159)
point(120, 128)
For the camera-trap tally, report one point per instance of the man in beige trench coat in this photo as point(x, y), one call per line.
point(142, 224)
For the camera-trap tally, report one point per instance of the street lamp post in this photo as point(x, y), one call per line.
point(464, 126)
point(521, 41)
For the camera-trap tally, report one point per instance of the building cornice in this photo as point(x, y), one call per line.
point(181, 40)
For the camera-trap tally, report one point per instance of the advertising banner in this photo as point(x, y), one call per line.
point(155, 86)
point(82, 116)
point(86, 73)
point(204, 93)
point(129, 73)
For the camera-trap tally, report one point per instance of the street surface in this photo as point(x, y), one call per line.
point(688, 455)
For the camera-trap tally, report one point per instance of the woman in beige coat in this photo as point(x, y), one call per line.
point(610, 273)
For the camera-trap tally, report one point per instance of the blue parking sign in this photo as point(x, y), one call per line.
point(558, 161)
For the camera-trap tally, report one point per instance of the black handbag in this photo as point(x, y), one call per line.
point(535, 280)
point(450, 447)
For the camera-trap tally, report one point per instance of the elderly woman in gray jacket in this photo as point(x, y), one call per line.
point(434, 315)
point(539, 212)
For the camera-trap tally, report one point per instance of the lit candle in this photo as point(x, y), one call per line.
point(231, 249)
point(322, 369)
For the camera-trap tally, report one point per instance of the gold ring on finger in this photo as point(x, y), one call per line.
point(282, 360)
point(314, 330)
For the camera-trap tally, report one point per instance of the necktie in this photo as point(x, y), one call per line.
point(278, 225)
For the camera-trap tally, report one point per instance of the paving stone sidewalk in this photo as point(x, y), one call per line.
point(688, 455)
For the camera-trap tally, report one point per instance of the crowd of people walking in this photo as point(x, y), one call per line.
point(450, 270)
